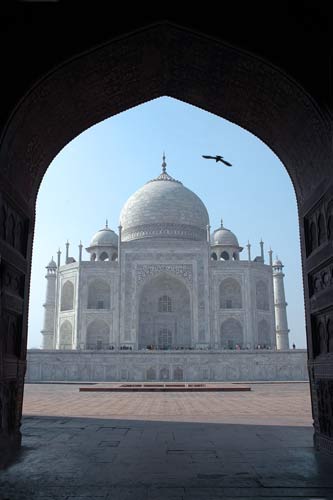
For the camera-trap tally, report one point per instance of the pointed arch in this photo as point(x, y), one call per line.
point(67, 296)
point(164, 313)
point(224, 255)
point(321, 229)
point(330, 221)
point(98, 335)
point(98, 294)
point(230, 294)
point(231, 334)
point(262, 296)
point(66, 335)
point(312, 236)
point(151, 373)
point(264, 334)
point(104, 256)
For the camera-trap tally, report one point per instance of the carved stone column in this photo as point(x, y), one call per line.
point(15, 255)
point(317, 248)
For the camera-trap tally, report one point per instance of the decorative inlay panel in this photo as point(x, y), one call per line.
point(146, 271)
point(324, 390)
point(322, 332)
point(13, 227)
point(321, 279)
point(181, 231)
point(318, 225)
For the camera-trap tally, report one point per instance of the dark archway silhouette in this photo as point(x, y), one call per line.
point(166, 60)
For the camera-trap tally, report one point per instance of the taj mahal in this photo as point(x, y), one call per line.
point(165, 282)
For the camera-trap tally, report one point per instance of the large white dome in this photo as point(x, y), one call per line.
point(164, 208)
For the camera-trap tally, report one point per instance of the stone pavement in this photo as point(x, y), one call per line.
point(273, 403)
point(176, 456)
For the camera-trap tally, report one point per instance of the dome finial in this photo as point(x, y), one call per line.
point(106, 224)
point(164, 164)
point(221, 222)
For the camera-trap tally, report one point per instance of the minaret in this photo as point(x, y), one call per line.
point(48, 327)
point(262, 250)
point(80, 251)
point(59, 257)
point(249, 251)
point(67, 252)
point(281, 322)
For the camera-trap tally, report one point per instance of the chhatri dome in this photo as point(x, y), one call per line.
point(164, 208)
point(224, 244)
point(223, 236)
point(51, 264)
point(104, 237)
point(103, 245)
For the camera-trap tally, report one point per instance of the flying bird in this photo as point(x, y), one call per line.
point(217, 158)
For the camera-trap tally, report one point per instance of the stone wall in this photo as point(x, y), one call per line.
point(110, 366)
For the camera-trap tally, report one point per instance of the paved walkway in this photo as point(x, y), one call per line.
point(272, 403)
point(168, 446)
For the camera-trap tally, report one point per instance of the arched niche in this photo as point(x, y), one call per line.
point(230, 293)
point(98, 294)
point(164, 313)
point(224, 255)
point(104, 256)
point(98, 335)
point(66, 335)
point(262, 296)
point(264, 334)
point(67, 296)
point(231, 333)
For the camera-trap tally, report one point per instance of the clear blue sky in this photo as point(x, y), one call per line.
point(93, 176)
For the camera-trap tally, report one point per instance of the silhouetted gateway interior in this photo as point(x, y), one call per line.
point(164, 60)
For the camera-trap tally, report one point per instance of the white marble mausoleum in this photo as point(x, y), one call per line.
point(165, 281)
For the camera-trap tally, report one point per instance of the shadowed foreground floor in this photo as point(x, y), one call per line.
point(74, 458)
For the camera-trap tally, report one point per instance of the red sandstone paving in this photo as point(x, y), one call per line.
point(266, 404)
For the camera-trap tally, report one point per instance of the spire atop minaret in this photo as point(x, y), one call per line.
point(164, 164)
point(106, 224)
point(221, 222)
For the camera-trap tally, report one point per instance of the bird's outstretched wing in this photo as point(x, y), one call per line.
point(218, 158)
point(227, 163)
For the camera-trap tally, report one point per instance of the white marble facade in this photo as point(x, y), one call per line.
point(164, 282)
